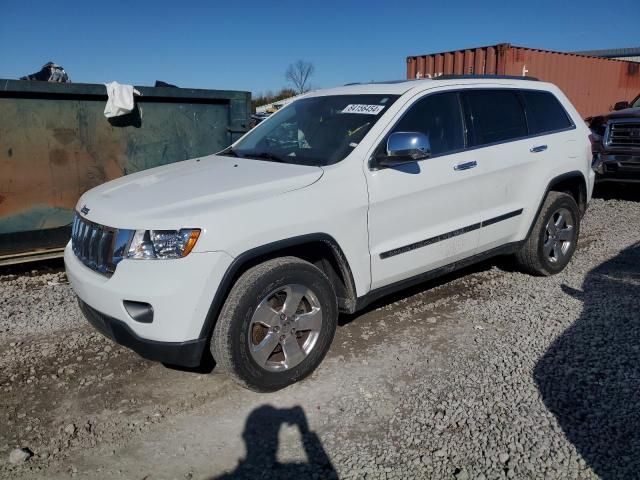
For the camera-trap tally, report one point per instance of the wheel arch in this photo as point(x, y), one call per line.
point(572, 183)
point(320, 249)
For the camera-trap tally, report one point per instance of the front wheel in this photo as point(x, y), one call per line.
point(553, 238)
point(276, 325)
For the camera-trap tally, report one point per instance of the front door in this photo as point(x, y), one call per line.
point(426, 214)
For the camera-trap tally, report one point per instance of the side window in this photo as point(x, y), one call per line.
point(439, 118)
point(544, 112)
point(494, 116)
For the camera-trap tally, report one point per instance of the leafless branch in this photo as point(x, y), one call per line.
point(298, 74)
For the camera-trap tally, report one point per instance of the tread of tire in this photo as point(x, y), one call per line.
point(221, 339)
point(527, 257)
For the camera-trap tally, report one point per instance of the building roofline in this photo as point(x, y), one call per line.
point(612, 52)
point(509, 45)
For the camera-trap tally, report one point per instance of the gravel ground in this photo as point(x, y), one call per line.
point(36, 302)
point(487, 373)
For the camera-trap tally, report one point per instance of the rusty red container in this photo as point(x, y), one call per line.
point(593, 84)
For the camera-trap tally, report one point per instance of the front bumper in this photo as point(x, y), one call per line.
point(179, 291)
point(186, 354)
point(617, 167)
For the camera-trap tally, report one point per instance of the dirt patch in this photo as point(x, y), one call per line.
point(58, 157)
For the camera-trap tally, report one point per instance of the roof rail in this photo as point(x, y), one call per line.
point(503, 77)
point(385, 82)
point(447, 77)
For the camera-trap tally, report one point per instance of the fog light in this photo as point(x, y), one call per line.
point(140, 311)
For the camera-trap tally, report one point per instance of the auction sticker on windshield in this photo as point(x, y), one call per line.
point(365, 109)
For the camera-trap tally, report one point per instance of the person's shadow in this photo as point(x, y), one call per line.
point(260, 436)
point(589, 378)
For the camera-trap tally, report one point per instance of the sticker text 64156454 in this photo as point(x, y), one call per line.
point(365, 109)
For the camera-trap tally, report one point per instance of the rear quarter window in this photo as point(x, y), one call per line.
point(545, 114)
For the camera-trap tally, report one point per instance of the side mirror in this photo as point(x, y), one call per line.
point(405, 147)
point(621, 105)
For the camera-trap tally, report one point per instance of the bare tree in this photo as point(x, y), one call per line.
point(298, 74)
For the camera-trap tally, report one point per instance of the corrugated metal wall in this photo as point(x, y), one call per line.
point(593, 84)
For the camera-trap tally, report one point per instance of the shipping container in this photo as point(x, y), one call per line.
point(592, 84)
point(55, 144)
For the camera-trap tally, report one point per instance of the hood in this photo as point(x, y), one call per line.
point(173, 195)
point(626, 113)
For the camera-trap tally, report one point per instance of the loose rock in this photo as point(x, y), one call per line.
point(20, 455)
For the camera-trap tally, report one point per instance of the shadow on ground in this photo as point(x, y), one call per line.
point(260, 436)
point(39, 267)
point(590, 376)
point(617, 191)
point(429, 285)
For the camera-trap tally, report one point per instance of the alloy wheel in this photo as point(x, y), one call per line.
point(285, 327)
point(559, 235)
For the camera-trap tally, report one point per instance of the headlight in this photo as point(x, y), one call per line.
point(162, 244)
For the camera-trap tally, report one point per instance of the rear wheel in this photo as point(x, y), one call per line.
point(276, 325)
point(553, 238)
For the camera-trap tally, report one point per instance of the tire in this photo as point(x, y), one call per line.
point(547, 252)
point(256, 316)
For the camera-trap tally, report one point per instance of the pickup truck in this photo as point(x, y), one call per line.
point(616, 143)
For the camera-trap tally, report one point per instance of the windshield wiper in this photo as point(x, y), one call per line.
point(266, 156)
point(229, 152)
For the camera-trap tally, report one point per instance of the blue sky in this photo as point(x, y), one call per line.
point(246, 45)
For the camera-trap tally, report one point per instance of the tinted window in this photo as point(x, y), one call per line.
point(544, 112)
point(495, 116)
point(439, 118)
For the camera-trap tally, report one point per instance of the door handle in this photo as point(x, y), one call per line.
point(539, 148)
point(465, 166)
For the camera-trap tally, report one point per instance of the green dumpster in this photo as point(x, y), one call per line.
point(55, 144)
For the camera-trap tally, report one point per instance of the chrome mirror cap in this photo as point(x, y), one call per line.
point(409, 145)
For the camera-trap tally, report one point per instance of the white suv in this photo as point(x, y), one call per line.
point(341, 197)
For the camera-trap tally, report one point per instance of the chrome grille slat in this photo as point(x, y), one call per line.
point(93, 244)
point(85, 241)
point(74, 227)
point(104, 250)
point(91, 247)
point(100, 247)
point(623, 134)
point(81, 244)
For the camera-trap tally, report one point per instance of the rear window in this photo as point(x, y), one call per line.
point(495, 116)
point(545, 114)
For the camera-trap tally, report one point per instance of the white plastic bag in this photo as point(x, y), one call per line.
point(120, 101)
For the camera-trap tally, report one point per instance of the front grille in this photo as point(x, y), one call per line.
point(623, 134)
point(93, 244)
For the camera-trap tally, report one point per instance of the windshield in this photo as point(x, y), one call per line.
point(314, 131)
point(636, 102)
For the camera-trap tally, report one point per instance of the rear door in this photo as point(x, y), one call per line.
point(497, 131)
point(515, 134)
